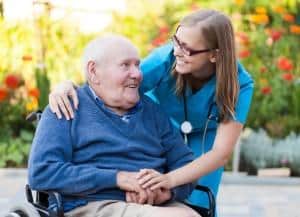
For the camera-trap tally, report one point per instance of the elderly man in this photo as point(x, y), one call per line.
point(93, 159)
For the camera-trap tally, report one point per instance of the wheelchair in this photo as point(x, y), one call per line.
point(37, 201)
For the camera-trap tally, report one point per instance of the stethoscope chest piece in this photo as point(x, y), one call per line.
point(186, 127)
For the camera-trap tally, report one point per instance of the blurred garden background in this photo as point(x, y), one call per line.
point(41, 44)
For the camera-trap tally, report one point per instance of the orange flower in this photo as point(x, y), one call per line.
point(244, 54)
point(242, 38)
point(287, 76)
point(289, 18)
point(34, 92)
point(260, 10)
point(279, 9)
point(26, 58)
point(259, 18)
point(295, 29)
point(284, 64)
point(3, 94)
point(12, 81)
point(266, 90)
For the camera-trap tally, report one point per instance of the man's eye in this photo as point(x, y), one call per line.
point(125, 64)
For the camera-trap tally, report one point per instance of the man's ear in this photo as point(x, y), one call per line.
point(213, 56)
point(92, 72)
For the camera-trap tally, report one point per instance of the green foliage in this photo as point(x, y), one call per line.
point(14, 151)
point(43, 85)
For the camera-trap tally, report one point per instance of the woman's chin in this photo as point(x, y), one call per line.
point(182, 70)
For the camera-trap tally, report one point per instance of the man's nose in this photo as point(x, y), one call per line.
point(135, 72)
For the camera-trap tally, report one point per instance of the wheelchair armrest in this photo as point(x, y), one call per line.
point(59, 212)
point(205, 212)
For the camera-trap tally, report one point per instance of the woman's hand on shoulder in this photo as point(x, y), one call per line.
point(59, 100)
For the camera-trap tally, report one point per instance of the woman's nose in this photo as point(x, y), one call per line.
point(177, 51)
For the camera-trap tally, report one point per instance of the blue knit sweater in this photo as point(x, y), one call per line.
point(80, 158)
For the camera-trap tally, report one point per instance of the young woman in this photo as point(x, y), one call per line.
point(197, 81)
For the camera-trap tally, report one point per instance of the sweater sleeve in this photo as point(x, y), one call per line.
point(156, 66)
point(177, 154)
point(51, 166)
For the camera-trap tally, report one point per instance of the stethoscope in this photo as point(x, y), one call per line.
point(187, 127)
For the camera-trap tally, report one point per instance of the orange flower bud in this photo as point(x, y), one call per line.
point(289, 18)
point(34, 92)
point(295, 29)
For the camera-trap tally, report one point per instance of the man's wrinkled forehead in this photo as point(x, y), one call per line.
point(123, 52)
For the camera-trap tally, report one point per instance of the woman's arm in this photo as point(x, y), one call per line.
point(226, 138)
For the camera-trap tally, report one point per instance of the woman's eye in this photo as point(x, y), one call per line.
point(125, 64)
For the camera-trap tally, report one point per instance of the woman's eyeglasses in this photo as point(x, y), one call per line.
point(187, 51)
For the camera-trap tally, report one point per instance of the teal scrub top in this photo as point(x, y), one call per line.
point(159, 85)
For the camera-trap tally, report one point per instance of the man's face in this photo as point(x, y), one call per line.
point(120, 77)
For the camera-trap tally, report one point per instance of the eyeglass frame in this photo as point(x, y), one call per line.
point(187, 51)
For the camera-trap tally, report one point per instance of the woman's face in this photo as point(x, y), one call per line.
point(199, 65)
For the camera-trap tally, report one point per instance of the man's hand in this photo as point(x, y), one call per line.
point(155, 197)
point(127, 181)
point(162, 195)
point(134, 197)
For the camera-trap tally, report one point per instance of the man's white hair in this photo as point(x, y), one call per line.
point(96, 50)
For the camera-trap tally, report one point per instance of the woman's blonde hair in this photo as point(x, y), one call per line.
point(217, 30)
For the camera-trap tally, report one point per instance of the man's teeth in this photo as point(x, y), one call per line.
point(132, 86)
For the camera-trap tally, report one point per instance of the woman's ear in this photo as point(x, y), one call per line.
point(213, 56)
point(92, 73)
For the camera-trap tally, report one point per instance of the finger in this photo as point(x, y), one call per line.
point(142, 173)
point(66, 101)
point(128, 197)
point(158, 185)
point(135, 198)
point(74, 97)
point(142, 197)
point(153, 181)
point(145, 179)
point(150, 195)
point(54, 106)
point(62, 107)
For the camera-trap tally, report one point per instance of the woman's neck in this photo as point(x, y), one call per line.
point(197, 83)
point(197, 79)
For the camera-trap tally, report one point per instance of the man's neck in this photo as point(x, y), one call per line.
point(117, 110)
